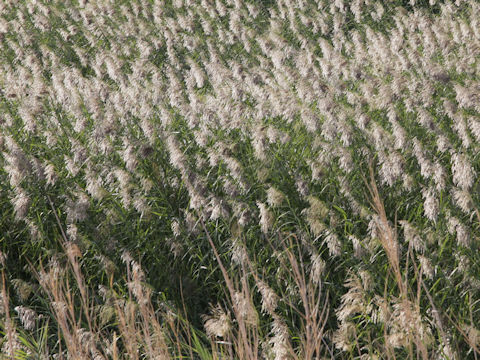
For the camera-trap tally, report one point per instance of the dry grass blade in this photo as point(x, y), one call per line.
point(389, 241)
point(387, 234)
point(245, 348)
point(10, 330)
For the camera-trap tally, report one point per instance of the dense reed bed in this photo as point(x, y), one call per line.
point(239, 179)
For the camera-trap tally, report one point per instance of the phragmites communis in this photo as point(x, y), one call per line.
point(218, 323)
point(265, 153)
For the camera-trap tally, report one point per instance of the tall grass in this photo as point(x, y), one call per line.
point(240, 179)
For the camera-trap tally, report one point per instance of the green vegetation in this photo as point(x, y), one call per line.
point(239, 179)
